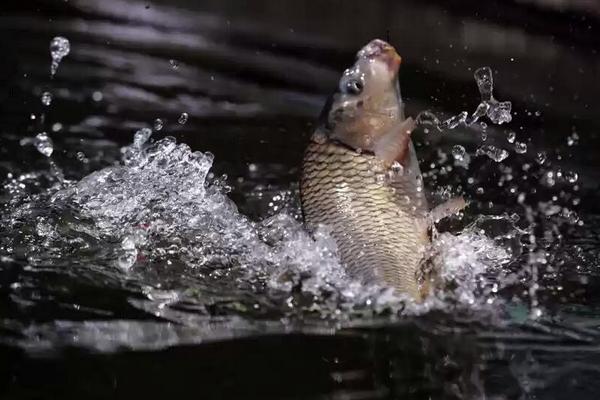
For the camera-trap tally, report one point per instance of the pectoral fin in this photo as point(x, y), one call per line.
point(394, 146)
point(448, 208)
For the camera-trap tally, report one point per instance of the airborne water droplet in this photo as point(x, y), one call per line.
point(458, 152)
point(499, 112)
point(571, 176)
point(174, 63)
point(46, 98)
point(43, 144)
point(81, 157)
point(183, 118)
point(158, 124)
point(485, 82)
point(541, 157)
point(520, 147)
point(511, 137)
point(59, 48)
point(492, 152)
point(141, 137)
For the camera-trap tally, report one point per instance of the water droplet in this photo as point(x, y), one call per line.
point(495, 153)
point(571, 176)
point(456, 120)
point(520, 147)
point(427, 118)
point(511, 137)
point(158, 124)
point(57, 126)
point(480, 190)
point(59, 48)
point(183, 118)
point(46, 98)
point(81, 157)
point(573, 139)
point(97, 96)
point(128, 243)
point(458, 152)
point(485, 82)
point(397, 168)
point(481, 111)
point(499, 112)
point(43, 144)
point(541, 157)
point(174, 63)
point(141, 137)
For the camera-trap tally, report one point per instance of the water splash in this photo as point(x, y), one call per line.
point(59, 49)
point(158, 124)
point(159, 207)
point(499, 112)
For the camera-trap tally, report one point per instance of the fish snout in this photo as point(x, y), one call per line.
point(378, 49)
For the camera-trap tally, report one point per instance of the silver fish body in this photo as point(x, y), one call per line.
point(377, 215)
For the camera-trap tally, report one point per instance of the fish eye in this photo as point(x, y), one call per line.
point(353, 86)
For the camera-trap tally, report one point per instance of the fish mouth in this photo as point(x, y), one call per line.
point(381, 50)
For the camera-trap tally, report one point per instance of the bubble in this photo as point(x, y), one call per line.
point(520, 147)
point(511, 137)
point(59, 48)
point(493, 152)
point(183, 118)
point(458, 152)
point(46, 98)
point(158, 124)
point(43, 144)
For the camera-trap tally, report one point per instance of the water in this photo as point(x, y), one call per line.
point(59, 49)
point(146, 261)
point(43, 144)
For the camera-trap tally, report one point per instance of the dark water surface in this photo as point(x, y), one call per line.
point(181, 268)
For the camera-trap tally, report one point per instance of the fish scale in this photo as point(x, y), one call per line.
point(381, 238)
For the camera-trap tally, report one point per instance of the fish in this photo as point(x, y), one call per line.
point(361, 179)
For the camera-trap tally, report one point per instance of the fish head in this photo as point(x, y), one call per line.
point(367, 103)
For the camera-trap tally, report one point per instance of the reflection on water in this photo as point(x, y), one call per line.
point(140, 263)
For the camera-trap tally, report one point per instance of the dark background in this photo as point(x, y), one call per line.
point(253, 76)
